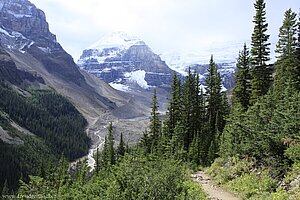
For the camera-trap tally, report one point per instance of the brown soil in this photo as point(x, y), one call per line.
point(213, 191)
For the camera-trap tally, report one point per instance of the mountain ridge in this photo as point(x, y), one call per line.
point(125, 62)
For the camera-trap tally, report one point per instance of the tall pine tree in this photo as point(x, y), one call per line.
point(214, 110)
point(242, 89)
point(298, 43)
point(155, 123)
point(213, 92)
point(189, 109)
point(174, 108)
point(108, 153)
point(261, 74)
point(121, 147)
point(287, 66)
point(287, 43)
point(298, 52)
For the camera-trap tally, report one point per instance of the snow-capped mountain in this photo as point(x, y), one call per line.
point(126, 63)
point(31, 56)
point(224, 55)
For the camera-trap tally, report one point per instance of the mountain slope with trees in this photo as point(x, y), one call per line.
point(251, 147)
point(259, 151)
point(58, 128)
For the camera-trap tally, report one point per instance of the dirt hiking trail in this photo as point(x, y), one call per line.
point(214, 192)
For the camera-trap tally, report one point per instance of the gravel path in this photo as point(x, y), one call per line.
point(214, 192)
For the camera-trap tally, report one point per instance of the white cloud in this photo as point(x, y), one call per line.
point(163, 24)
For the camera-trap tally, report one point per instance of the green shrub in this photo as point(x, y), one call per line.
point(252, 185)
point(224, 170)
point(280, 194)
point(193, 191)
point(293, 153)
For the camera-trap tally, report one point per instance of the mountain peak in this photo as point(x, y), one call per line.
point(117, 39)
point(25, 18)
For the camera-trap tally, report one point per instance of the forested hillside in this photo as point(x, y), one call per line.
point(56, 128)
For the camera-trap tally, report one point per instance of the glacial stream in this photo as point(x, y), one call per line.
point(94, 132)
point(90, 157)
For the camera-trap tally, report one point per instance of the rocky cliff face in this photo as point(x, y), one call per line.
point(24, 28)
point(23, 17)
point(30, 52)
point(126, 63)
point(10, 73)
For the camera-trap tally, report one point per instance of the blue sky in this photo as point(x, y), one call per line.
point(165, 25)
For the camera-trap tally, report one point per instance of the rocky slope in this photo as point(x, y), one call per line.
point(126, 63)
point(31, 57)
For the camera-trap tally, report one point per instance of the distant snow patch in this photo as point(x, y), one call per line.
point(1, 5)
point(119, 86)
point(5, 32)
point(19, 15)
point(118, 40)
point(18, 35)
point(31, 43)
point(46, 50)
point(106, 70)
point(138, 77)
point(203, 88)
point(99, 56)
point(22, 47)
point(223, 89)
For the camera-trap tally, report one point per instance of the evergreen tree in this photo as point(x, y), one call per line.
point(121, 147)
point(194, 151)
point(298, 42)
point(111, 144)
point(202, 129)
point(211, 155)
point(108, 154)
point(97, 161)
point(155, 123)
point(174, 106)
point(188, 109)
point(105, 154)
point(82, 172)
point(261, 74)
point(222, 113)
point(286, 46)
point(242, 90)
point(197, 103)
point(214, 96)
point(233, 134)
point(287, 66)
point(177, 141)
point(145, 142)
point(61, 173)
point(298, 53)
point(215, 107)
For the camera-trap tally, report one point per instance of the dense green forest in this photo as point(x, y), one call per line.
point(251, 145)
point(58, 128)
point(121, 173)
